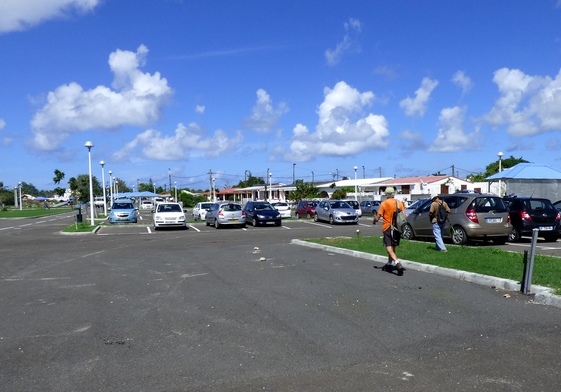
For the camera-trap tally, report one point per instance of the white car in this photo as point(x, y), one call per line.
point(169, 215)
point(283, 208)
point(200, 210)
point(147, 205)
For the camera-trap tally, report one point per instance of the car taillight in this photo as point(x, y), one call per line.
point(471, 215)
point(220, 213)
point(243, 213)
point(524, 215)
point(558, 217)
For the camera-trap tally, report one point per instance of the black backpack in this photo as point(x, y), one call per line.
point(441, 213)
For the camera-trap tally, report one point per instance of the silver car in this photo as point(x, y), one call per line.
point(335, 211)
point(472, 217)
point(225, 213)
point(369, 207)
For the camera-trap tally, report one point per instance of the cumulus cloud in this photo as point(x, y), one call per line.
point(528, 105)
point(2, 124)
point(463, 81)
point(186, 142)
point(200, 109)
point(340, 130)
point(352, 26)
point(136, 99)
point(451, 136)
point(18, 15)
point(264, 116)
point(412, 141)
point(418, 105)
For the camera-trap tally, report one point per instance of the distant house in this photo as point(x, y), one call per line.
point(529, 179)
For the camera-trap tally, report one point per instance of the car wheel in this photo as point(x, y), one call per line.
point(459, 236)
point(254, 222)
point(206, 223)
point(242, 226)
point(297, 216)
point(374, 212)
point(550, 237)
point(514, 235)
point(331, 221)
point(500, 240)
point(408, 232)
point(308, 215)
point(316, 218)
point(278, 223)
point(216, 224)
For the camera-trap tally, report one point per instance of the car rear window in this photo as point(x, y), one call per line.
point(488, 204)
point(231, 207)
point(539, 205)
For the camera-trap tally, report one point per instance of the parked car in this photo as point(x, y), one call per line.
point(99, 201)
point(225, 213)
point(529, 213)
point(262, 213)
point(335, 211)
point(306, 208)
point(283, 208)
point(471, 217)
point(169, 215)
point(200, 210)
point(557, 205)
point(123, 211)
point(356, 206)
point(369, 207)
point(147, 205)
point(416, 203)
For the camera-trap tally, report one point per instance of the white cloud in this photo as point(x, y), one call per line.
point(412, 141)
point(528, 105)
point(340, 130)
point(264, 117)
point(451, 136)
point(347, 44)
point(2, 124)
point(18, 15)
point(200, 109)
point(418, 105)
point(136, 100)
point(463, 81)
point(387, 72)
point(186, 142)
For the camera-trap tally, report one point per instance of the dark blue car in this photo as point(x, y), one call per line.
point(262, 213)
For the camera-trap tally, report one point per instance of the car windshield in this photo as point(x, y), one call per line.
point(206, 206)
point(122, 206)
point(263, 207)
point(169, 208)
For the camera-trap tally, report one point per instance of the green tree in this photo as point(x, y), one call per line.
point(341, 193)
point(189, 200)
point(59, 176)
point(304, 190)
point(493, 168)
point(251, 181)
point(80, 187)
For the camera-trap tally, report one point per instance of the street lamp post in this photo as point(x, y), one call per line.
point(102, 163)
point(270, 189)
point(293, 173)
point(312, 178)
point(89, 146)
point(356, 197)
point(213, 193)
point(363, 172)
point(20, 205)
point(111, 186)
point(175, 183)
point(500, 155)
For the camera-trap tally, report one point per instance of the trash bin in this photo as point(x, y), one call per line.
point(79, 215)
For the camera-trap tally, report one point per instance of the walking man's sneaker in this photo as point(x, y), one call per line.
point(400, 269)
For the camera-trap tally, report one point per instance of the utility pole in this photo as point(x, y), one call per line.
point(210, 179)
point(169, 175)
point(453, 172)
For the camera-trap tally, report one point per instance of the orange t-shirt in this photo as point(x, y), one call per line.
point(386, 210)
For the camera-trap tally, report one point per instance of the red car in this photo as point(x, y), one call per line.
point(306, 208)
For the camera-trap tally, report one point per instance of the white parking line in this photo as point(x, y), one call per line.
point(285, 227)
point(28, 224)
point(7, 228)
point(39, 222)
point(148, 228)
point(318, 224)
point(194, 228)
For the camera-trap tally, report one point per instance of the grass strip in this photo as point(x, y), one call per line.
point(482, 260)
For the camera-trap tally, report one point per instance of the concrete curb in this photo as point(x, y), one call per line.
point(542, 295)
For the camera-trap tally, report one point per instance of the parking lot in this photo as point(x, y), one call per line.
point(202, 309)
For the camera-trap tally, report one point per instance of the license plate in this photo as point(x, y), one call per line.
point(493, 220)
point(545, 228)
point(232, 220)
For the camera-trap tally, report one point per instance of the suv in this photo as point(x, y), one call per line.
point(528, 213)
point(370, 207)
point(306, 208)
point(472, 216)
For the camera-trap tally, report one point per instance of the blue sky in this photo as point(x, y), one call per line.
point(163, 87)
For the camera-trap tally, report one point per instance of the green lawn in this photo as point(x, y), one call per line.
point(33, 212)
point(483, 260)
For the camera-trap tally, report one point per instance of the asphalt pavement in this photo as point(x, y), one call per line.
point(130, 309)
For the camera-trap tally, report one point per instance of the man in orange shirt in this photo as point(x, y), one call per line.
point(386, 212)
